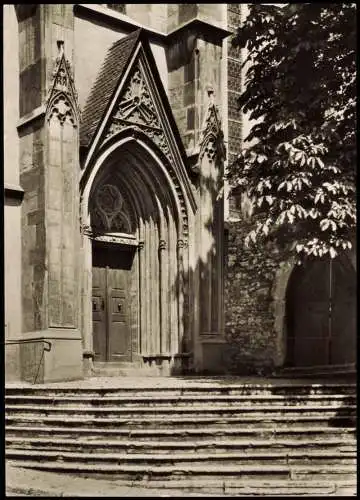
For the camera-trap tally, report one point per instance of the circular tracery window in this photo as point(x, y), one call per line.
point(109, 199)
point(109, 210)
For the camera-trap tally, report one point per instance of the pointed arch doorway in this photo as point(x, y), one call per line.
point(138, 259)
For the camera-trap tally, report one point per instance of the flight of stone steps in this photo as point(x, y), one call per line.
point(221, 438)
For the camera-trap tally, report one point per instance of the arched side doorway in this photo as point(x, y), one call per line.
point(135, 258)
point(321, 313)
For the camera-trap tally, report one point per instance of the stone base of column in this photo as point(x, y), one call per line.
point(52, 355)
point(213, 355)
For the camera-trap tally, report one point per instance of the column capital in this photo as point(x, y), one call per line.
point(162, 245)
point(182, 243)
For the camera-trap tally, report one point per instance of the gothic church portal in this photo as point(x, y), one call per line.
point(120, 120)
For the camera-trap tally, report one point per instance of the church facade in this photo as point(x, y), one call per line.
point(122, 250)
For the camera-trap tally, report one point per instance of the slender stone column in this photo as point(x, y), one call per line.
point(163, 263)
point(173, 287)
point(142, 298)
point(145, 284)
point(180, 269)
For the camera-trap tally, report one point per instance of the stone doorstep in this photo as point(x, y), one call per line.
point(144, 418)
point(301, 434)
point(205, 469)
point(220, 453)
point(40, 482)
point(219, 412)
point(179, 461)
point(183, 383)
point(283, 393)
point(180, 428)
point(289, 399)
point(272, 443)
point(178, 490)
point(23, 481)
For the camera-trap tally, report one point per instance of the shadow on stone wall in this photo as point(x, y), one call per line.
point(250, 275)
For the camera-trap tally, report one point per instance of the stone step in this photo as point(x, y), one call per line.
point(260, 411)
point(336, 400)
point(172, 423)
point(266, 457)
point(191, 388)
point(346, 371)
point(172, 486)
point(300, 434)
point(228, 484)
point(269, 487)
point(198, 472)
point(219, 444)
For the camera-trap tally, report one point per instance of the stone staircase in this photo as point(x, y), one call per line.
point(211, 438)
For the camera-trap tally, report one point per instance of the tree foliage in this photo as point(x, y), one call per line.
point(298, 165)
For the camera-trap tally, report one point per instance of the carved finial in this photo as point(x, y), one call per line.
point(60, 46)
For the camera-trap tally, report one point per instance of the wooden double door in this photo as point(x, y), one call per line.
point(111, 305)
point(321, 314)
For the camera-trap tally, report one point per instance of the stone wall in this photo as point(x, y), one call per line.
point(250, 279)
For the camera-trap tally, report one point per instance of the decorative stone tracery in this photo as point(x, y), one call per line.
point(109, 211)
point(62, 98)
point(211, 140)
point(135, 108)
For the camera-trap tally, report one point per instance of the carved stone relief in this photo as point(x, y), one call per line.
point(136, 109)
point(61, 108)
point(62, 99)
point(211, 140)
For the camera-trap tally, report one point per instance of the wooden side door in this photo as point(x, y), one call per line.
point(308, 310)
point(321, 314)
point(343, 312)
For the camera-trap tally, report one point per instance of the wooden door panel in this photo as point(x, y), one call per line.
point(99, 313)
point(308, 342)
point(311, 351)
point(343, 326)
point(312, 320)
point(343, 318)
point(119, 306)
point(119, 315)
point(321, 309)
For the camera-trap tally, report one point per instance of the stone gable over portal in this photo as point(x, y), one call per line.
point(128, 95)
